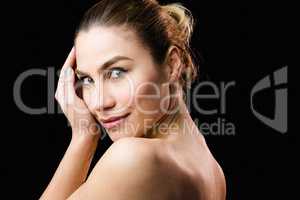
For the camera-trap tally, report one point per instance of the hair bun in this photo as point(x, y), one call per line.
point(183, 18)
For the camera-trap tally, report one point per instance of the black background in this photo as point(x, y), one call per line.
point(234, 42)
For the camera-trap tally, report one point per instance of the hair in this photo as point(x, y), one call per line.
point(158, 27)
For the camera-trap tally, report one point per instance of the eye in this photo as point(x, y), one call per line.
point(115, 73)
point(85, 80)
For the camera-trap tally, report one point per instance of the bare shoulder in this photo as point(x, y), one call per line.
point(130, 169)
point(130, 150)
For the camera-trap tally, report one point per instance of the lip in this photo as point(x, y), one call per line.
point(113, 121)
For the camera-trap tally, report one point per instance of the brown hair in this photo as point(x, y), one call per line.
point(158, 26)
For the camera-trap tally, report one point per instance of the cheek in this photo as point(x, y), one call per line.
point(149, 107)
point(122, 92)
point(148, 93)
point(87, 97)
point(147, 99)
point(123, 95)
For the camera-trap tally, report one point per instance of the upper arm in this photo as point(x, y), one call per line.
point(127, 171)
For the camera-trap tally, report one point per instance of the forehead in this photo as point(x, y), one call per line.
point(99, 44)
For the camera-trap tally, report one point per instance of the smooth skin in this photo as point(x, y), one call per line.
point(172, 164)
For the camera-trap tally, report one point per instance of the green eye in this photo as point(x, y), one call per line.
point(85, 80)
point(115, 73)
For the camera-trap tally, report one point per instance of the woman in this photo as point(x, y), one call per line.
point(128, 70)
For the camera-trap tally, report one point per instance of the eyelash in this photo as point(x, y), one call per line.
point(108, 74)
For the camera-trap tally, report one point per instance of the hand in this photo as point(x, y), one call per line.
point(81, 120)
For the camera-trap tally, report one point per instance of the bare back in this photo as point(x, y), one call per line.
point(196, 173)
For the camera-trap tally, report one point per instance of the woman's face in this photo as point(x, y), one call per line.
point(129, 84)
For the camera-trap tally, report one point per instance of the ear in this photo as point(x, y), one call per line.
point(174, 63)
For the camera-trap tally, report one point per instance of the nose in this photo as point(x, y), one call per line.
point(102, 99)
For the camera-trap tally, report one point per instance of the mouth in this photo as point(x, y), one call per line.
point(114, 121)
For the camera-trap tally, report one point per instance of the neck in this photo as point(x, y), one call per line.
point(176, 125)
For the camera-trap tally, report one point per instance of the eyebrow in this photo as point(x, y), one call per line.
point(106, 64)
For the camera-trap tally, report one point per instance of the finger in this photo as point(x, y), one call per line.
point(66, 85)
point(67, 94)
point(69, 85)
point(63, 73)
point(70, 61)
